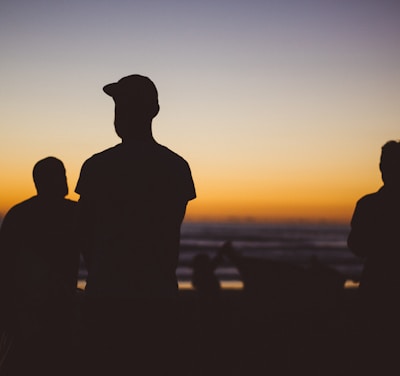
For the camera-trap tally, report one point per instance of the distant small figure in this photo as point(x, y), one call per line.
point(281, 283)
point(256, 273)
point(204, 279)
point(39, 266)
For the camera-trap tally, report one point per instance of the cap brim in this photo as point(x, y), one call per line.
point(110, 89)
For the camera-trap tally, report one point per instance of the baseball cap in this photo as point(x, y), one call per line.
point(134, 87)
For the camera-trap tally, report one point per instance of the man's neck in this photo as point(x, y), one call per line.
point(138, 139)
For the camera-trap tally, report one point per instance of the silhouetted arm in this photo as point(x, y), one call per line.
point(86, 212)
point(7, 265)
point(363, 238)
point(84, 230)
point(171, 235)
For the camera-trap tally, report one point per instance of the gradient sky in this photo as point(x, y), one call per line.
point(280, 107)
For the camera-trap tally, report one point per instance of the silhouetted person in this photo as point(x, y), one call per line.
point(39, 266)
point(204, 279)
point(375, 229)
point(133, 199)
point(374, 236)
point(274, 283)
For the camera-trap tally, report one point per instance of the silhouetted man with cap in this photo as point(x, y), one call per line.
point(133, 199)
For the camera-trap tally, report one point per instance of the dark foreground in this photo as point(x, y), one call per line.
point(244, 335)
point(232, 334)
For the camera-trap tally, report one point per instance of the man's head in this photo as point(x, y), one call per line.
point(136, 104)
point(390, 164)
point(49, 177)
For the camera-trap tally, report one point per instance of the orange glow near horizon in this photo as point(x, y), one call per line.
point(225, 210)
point(255, 201)
point(232, 211)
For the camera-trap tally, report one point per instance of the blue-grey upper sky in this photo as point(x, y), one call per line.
point(279, 106)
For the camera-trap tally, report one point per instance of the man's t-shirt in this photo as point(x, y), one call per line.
point(374, 235)
point(132, 203)
point(39, 259)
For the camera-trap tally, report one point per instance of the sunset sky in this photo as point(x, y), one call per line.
point(280, 107)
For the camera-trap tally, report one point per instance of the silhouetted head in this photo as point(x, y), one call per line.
point(390, 164)
point(49, 177)
point(136, 104)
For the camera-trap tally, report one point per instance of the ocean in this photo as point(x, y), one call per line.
point(296, 243)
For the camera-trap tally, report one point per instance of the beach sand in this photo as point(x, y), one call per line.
point(233, 334)
point(241, 334)
point(287, 332)
point(238, 335)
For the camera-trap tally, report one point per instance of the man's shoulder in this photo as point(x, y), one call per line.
point(94, 166)
point(370, 199)
point(171, 156)
point(34, 204)
point(21, 209)
point(104, 154)
point(24, 205)
point(366, 199)
point(100, 162)
point(177, 169)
